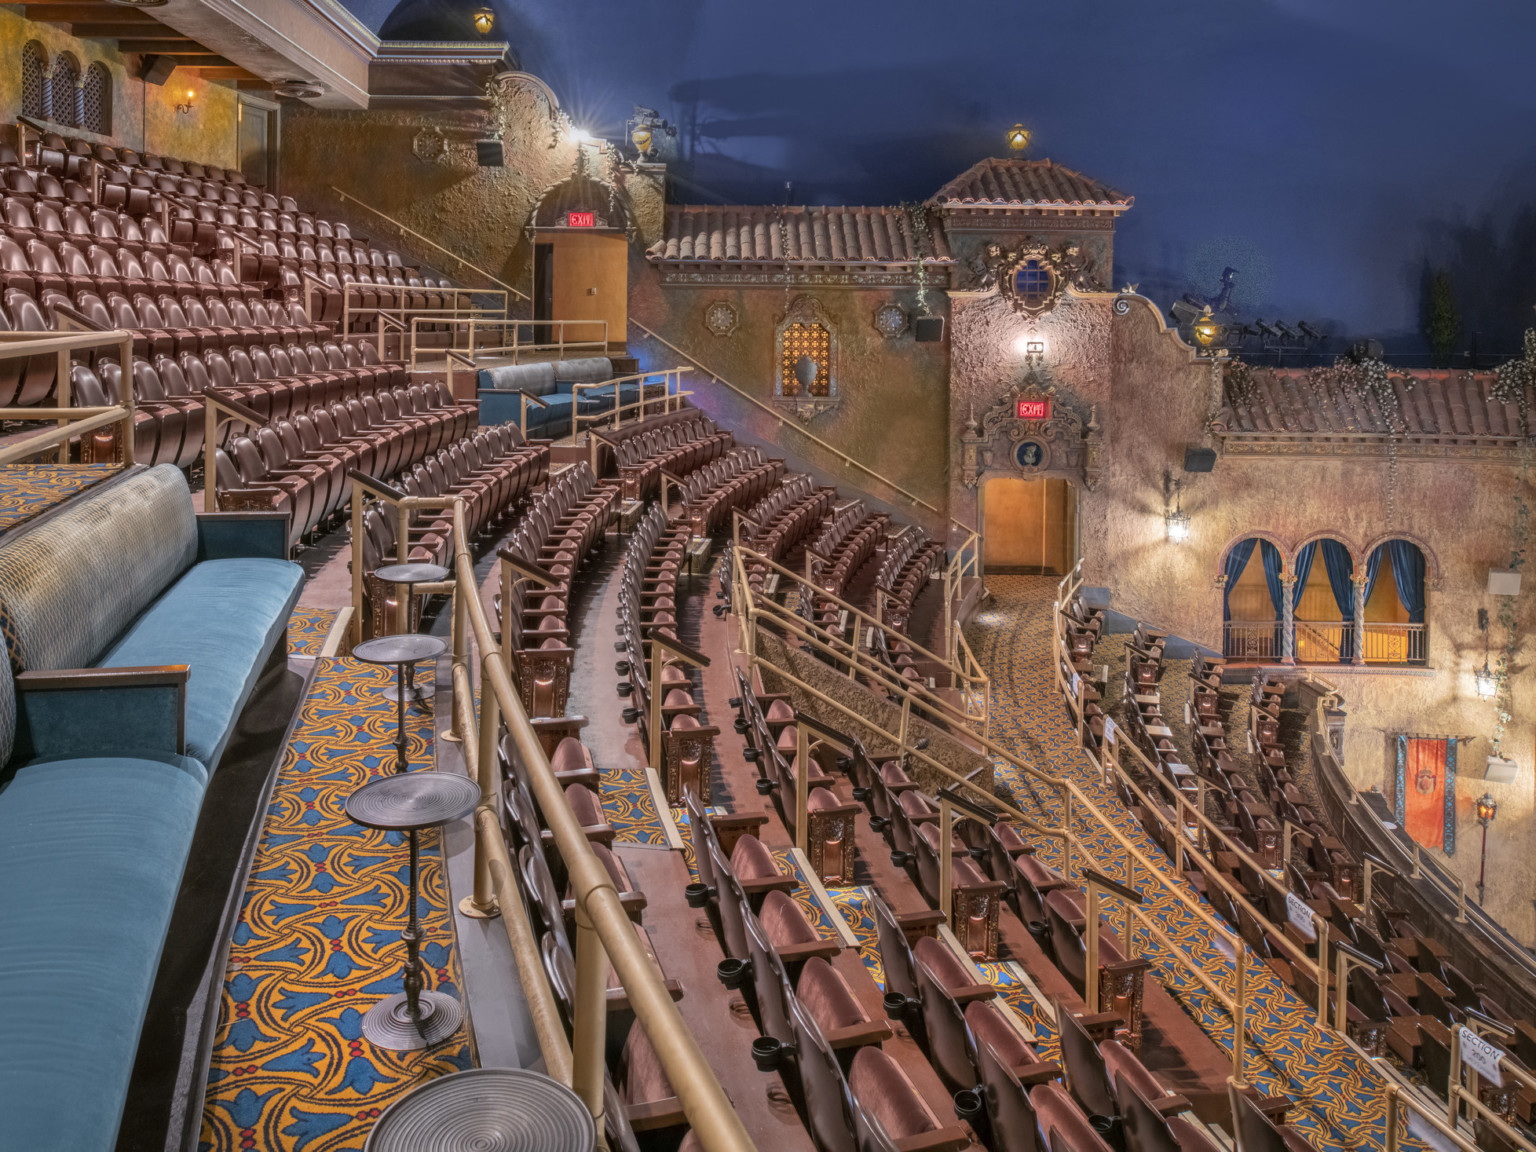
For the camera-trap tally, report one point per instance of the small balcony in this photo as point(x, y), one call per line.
point(1327, 642)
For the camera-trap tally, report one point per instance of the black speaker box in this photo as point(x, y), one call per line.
point(489, 153)
point(157, 69)
point(928, 329)
point(1199, 459)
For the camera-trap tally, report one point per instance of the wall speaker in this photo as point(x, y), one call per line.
point(1503, 582)
point(1199, 459)
point(928, 329)
point(489, 153)
point(1499, 771)
point(157, 69)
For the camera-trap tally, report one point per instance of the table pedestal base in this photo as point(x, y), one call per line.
point(388, 1023)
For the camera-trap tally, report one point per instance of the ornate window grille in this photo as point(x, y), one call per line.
point(96, 100)
point(64, 89)
point(811, 340)
point(1032, 283)
point(34, 80)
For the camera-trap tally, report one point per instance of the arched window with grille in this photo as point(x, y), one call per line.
point(805, 333)
point(34, 80)
point(96, 100)
point(63, 89)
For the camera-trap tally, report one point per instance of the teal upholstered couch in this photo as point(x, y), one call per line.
point(502, 390)
point(136, 632)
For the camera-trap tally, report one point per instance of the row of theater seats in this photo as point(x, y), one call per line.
point(676, 442)
point(847, 537)
point(910, 560)
point(1404, 995)
point(735, 480)
point(648, 605)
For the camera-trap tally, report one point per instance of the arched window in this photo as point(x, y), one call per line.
point(34, 80)
point(63, 90)
point(1032, 283)
point(805, 340)
point(96, 100)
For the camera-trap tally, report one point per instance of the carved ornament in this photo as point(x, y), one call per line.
point(1064, 444)
point(720, 318)
point(996, 267)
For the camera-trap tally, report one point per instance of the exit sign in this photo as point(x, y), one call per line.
point(581, 219)
point(1034, 409)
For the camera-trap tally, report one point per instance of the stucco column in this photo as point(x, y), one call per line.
point(1287, 619)
point(1359, 583)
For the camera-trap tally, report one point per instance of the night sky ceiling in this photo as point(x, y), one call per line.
point(1327, 151)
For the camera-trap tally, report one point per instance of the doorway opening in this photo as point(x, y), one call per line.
point(1029, 526)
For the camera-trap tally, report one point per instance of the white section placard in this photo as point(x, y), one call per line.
point(1299, 914)
point(1110, 728)
point(1077, 685)
point(1481, 1056)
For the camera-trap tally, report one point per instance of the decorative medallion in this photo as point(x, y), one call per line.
point(890, 320)
point(1033, 275)
point(430, 145)
point(720, 318)
point(1032, 456)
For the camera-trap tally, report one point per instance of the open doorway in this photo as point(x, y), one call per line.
point(1029, 526)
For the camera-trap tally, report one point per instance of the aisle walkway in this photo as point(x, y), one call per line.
point(1339, 1095)
point(318, 940)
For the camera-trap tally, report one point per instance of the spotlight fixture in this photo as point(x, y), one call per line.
point(1018, 138)
point(484, 20)
point(577, 136)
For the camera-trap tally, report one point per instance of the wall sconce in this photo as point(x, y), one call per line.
point(1177, 520)
point(1487, 809)
point(1030, 347)
point(185, 109)
point(1018, 138)
point(1487, 682)
point(484, 20)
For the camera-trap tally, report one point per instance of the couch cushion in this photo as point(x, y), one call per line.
point(534, 379)
point(92, 852)
point(71, 583)
point(223, 618)
point(585, 370)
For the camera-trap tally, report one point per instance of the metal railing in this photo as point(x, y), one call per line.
point(433, 244)
point(1078, 859)
point(964, 564)
point(649, 403)
point(604, 934)
point(70, 423)
point(485, 337)
point(1325, 642)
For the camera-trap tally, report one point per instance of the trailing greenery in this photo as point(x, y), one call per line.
point(1512, 384)
point(922, 241)
point(1441, 323)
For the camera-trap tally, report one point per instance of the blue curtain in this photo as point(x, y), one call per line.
point(1271, 557)
point(1372, 570)
point(1408, 571)
point(1237, 560)
point(1304, 560)
point(1341, 567)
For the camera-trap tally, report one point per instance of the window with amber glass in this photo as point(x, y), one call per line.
point(799, 340)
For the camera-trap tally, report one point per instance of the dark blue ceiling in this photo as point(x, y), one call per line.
point(1327, 150)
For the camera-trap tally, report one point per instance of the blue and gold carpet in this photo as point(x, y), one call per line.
point(630, 807)
point(318, 939)
point(309, 629)
point(1339, 1096)
point(27, 490)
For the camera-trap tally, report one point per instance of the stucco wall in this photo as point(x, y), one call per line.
point(144, 116)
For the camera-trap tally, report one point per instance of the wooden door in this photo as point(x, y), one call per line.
point(1029, 526)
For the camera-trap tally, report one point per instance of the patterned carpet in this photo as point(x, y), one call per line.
point(308, 630)
point(1339, 1096)
point(318, 940)
point(29, 489)
point(630, 807)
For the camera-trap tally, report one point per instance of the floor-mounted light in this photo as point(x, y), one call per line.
point(1487, 809)
point(1177, 520)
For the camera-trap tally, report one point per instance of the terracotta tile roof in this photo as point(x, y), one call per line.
point(1007, 183)
point(1434, 404)
point(698, 233)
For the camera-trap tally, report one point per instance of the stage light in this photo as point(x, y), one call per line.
point(577, 136)
point(1028, 345)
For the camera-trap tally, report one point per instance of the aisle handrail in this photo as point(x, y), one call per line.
point(345, 196)
point(71, 422)
point(604, 932)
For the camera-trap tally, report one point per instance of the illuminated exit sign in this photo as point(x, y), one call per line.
point(581, 219)
point(1034, 409)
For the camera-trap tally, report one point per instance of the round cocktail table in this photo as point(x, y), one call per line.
point(406, 576)
point(400, 651)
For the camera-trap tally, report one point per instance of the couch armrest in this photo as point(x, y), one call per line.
point(91, 711)
point(231, 535)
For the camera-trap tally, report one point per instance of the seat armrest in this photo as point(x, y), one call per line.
point(965, 993)
point(950, 1138)
point(237, 535)
point(97, 711)
point(1039, 1073)
point(858, 1035)
point(795, 953)
point(1172, 1105)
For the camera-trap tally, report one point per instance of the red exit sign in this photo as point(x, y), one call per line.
point(1034, 409)
point(581, 219)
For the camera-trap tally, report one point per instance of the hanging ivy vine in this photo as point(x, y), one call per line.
point(1513, 381)
point(922, 242)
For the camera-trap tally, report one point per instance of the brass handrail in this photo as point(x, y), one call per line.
point(478, 323)
point(604, 932)
point(1072, 800)
point(71, 422)
point(345, 196)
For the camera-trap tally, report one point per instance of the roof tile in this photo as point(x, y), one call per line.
point(816, 235)
point(997, 182)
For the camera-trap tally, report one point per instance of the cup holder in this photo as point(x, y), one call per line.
point(697, 895)
point(622, 667)
point(879, 823)
point(900, 858)
point(741, 725)
point(751, 754)
point(861, 794)
point(626, 688)
point(976, 852)
point(630, 715)
point(767, 1053)
point(968, 1105)
point(765, 786)
point(895, 1006)
point(731, 972)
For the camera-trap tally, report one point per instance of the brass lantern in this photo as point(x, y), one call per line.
point(484, 20)
point(1206, 329)
point(640, 137)
point(1487, 809)
point(1487, 682)
point(1018, 138)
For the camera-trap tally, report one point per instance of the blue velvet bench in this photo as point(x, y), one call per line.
point(502, 391)
point(136, 631)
